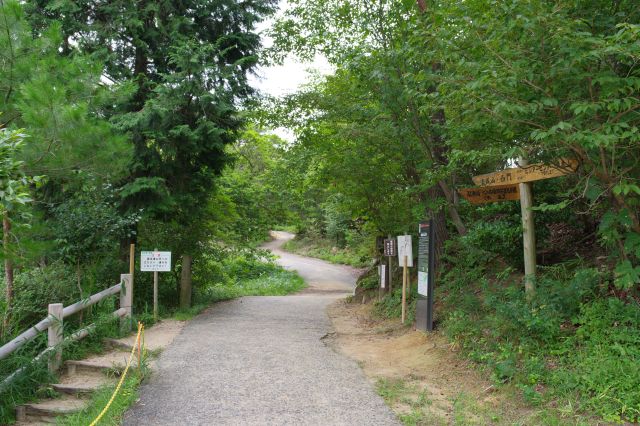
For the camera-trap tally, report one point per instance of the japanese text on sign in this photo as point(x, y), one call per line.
point(405, 249)
point(528, 173)
point(423, 258)
point(389, 247)
point(159, 261)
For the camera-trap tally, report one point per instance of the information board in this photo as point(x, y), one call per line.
point(405, 249)
point(151, 261)
point(389, 247)
point(423, 258)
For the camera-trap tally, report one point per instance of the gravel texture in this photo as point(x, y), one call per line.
point(262, 361)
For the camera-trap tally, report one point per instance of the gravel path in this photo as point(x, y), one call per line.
point(261, 361)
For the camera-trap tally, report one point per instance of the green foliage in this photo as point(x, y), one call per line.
point(13, 182)
point(37, 287)
point(604, 354)
point(88, 223)
point(227, 273)
point(570, 341)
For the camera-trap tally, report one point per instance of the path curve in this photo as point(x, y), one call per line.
point(262, 361)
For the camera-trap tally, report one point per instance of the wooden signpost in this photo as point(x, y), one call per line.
point(491, 194)
point(527, 173)
point(504, 185)
point(405, 256)
point(155, 261)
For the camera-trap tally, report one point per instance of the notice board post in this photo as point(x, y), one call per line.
point(390, 252)
point(155, 261)
point(405, 258)
point(426, 280)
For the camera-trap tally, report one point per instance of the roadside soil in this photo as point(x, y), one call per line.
point(420, 375)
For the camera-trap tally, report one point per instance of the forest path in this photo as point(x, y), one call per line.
point(263, 361)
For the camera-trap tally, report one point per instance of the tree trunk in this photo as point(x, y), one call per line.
point(8, 269)
point(185, 282)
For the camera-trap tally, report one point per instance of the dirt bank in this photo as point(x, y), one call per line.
point(421, 376)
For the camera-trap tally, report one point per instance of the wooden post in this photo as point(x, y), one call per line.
point(185, 282)
point(155, 295)
point(404, 290)
point(55, 335)
point(132, 263)
point(390, 283)
point(528, 235)
point(126, 299)
point(380, 289)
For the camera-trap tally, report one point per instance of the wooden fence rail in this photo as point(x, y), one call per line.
point(47, 353)
point(54, 321)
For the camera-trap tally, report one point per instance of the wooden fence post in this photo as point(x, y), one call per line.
point(55, 335)
point(126, 299)
point(132, 264)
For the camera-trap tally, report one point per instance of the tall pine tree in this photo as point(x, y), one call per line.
point(186, 65)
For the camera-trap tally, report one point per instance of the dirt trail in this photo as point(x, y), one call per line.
point(420, 375)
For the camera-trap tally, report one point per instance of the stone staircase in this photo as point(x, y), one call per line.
point(80, 379)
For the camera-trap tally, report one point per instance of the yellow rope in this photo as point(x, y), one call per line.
point(124, 374)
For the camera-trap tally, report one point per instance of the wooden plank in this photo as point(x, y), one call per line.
point(491, 194)
point(528, 173)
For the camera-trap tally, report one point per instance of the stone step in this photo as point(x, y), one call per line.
point(117, 344)
point(47, 411)
point(82, 385)
point(111, 362)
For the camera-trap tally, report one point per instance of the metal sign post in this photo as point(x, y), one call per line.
point(155, 261)
point(426, 267)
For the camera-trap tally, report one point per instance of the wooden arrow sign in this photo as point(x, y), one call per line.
point(491, 194)
point(526, 173)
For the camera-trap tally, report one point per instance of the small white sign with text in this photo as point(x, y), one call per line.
point(152, 261)
point(405, 249)
point(382, 270)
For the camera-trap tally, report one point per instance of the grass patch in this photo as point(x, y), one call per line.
point(275, 281)
point(411, 404)
point(127, 395)
point(358, 257)
point(278, 282)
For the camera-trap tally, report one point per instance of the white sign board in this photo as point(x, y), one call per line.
point(405, 249)
point(423, 283)
point(382, 270)
point(151, 261)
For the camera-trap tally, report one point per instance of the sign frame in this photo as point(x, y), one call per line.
point(155, 261)
point(405, 248)
point(424, 304)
